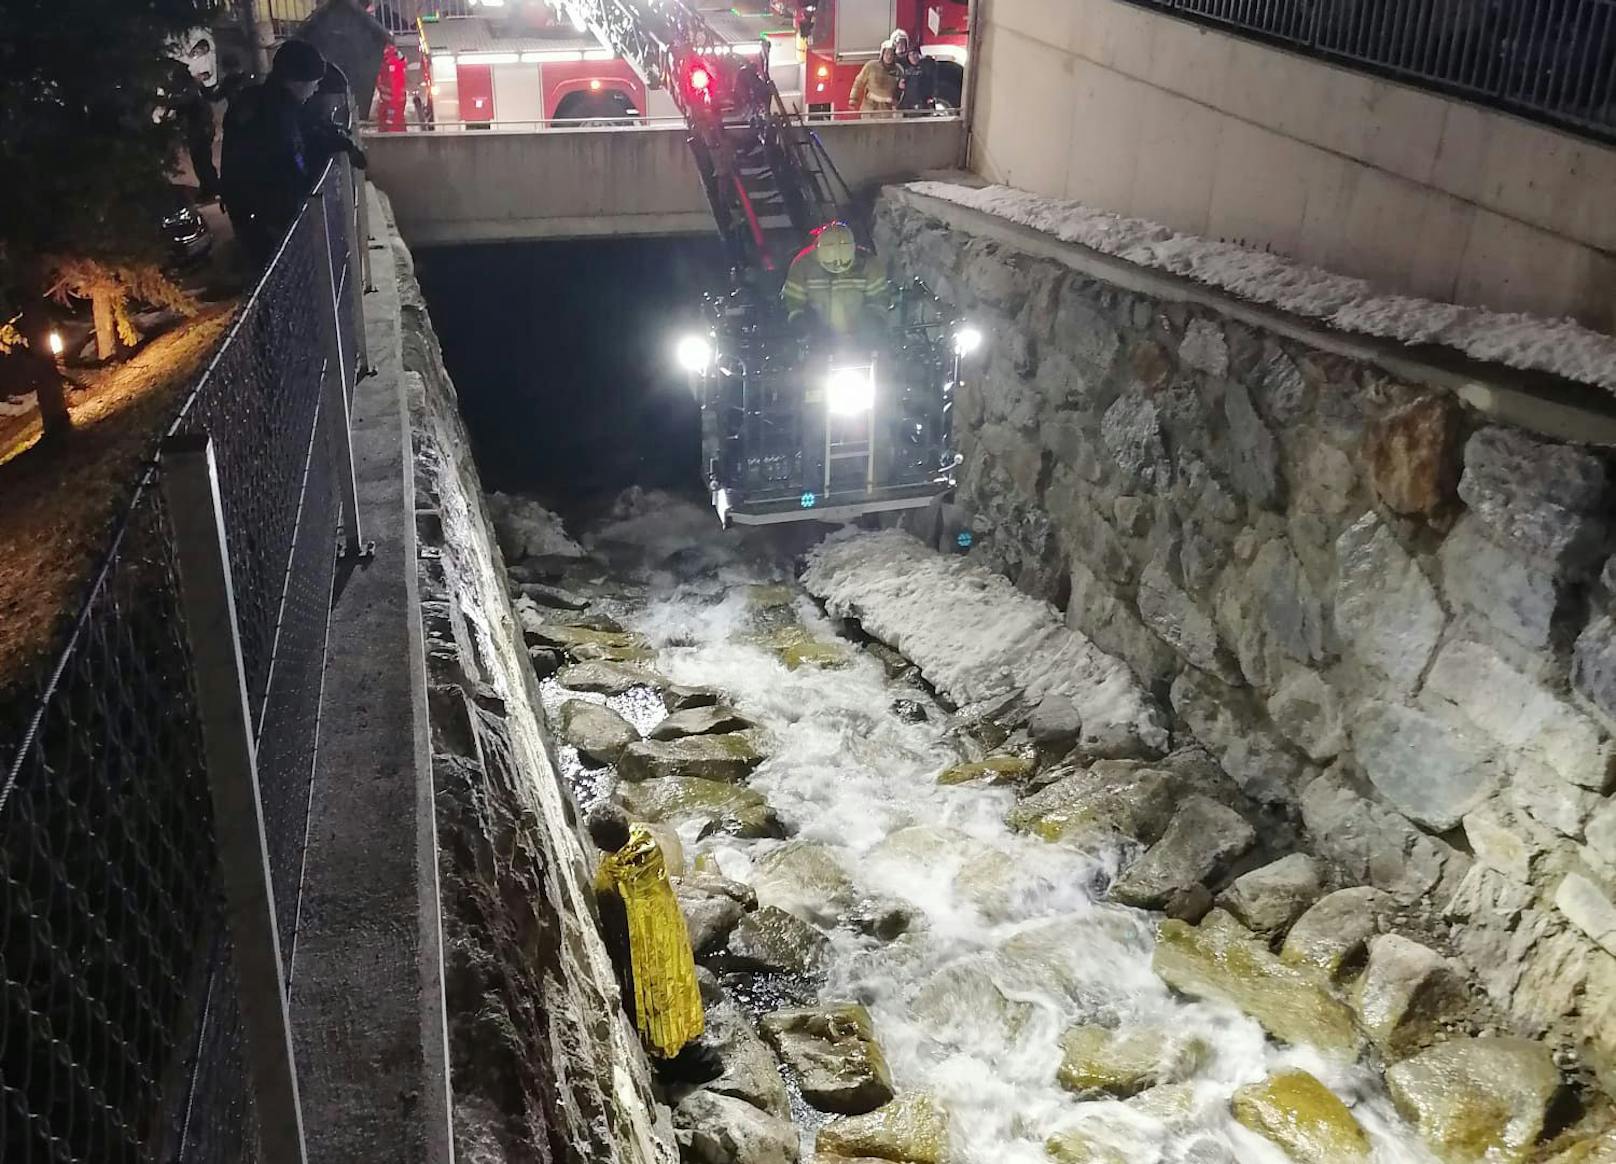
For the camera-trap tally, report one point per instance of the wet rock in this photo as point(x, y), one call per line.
point(1098, 805)
point(1333, 935)
point(1510, 592)
point(1407, 993)
point(1202, 839)
point(1268, 899)
point(883, 918)
point(1075, 1147)
point(599, 733)
point(553, 597)
point(1301, 1115)
point(1054, 722)
point(909, 710)
point(1374, 844)
point(1588, 908)
point(965, 999)
point(1228, 722)
point(833, 1052)
point(911, 1129)
point(722, 807)
point(894, 664)
point(545, 662)
point(795, 647)
point(1429, 771)
point(750, 1072)
point(807, 879)
point(1307, 712)
point(586, 644)
point(1001, 769)
point(1413, 454)
point(608, 678)
point(676, 697)
point(1386, 611)
point(1594, 1150)
point(593, 620)
point(1189, 905)
point(727, 757)
point(1546, 501)
point(709, 916)
point(1096, 1061)
point(1477, 1100)
point(1221, 959)
point(720, 1129)
point(1172, 614)
point(701, 721)
point(770, 940)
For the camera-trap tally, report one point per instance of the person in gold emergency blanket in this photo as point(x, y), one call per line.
point(835, 286)
point(649, 945)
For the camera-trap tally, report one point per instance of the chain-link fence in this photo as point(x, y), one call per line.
point(127, 1034)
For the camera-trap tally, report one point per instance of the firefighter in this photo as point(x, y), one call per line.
point(649, 945)
point(835, 285)
point(875, 89)
point(266, 170)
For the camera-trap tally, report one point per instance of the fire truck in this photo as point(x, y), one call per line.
point(839, 36)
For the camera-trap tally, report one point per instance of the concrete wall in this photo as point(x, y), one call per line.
point(496, 187)
point(1152, 116)
point(1390, 616)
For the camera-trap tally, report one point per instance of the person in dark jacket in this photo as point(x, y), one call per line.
point(327, 122)
point(267, 171)
point(919, 83)
point(192, 111)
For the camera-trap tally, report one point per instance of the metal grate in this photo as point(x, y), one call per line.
point(121, 1037)
point(1549, 60)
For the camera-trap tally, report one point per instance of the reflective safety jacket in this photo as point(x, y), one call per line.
point(666, 999)
point(842, 300)
point(876, 86)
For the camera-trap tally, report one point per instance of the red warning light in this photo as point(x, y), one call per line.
point(699, 80)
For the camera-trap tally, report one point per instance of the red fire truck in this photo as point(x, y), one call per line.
point(841, 35)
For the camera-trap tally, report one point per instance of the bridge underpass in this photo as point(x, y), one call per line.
point(507, 185)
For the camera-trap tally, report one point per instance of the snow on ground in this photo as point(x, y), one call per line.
point(1560, 347)
point(976, 637)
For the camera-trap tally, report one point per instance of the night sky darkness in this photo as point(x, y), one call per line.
point(562, 355)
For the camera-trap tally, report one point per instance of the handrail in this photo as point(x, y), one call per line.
point(663, 123)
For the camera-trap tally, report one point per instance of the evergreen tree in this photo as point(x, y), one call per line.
point(85, 153)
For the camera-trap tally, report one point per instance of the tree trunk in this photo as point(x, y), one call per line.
point(51, 393)
point(106, 328)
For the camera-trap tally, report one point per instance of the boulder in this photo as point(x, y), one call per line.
point(585, 644)
point(553, 597)
point(964, 999)
point(833, 1052)
point(676, 697)
point(603, 678)
point(727, 757)
point(1386, 610)
point(709, 916)
point(1221, 959)
point(1054, 722)
point(1173, 615)
point(1413, 455)
point(807, 879)
point(1307, 712)
point(531, 535)
point(910, 710)
point(1587, 907)
point(1229, 722)
point(1075, 1147)
point(911, 1129)
point(1596, 1149)
point(598, 732)
point(1593, 666)
point(1098, 805)
point(1548, 502)
point(770, 940)
point(1374, 844)
point(1407, 993)
point(1098, 1062)
point(545, 662)
point(1304, 1117)
point(714, 1128)
point(750, 1072)
point(1508, 591)
point(794, 646)
point(1333, 935)
point(701, 721)
point(1202, 839)
point(1270, 898)
point(1477, 1100)
point(1252, 451)
point(720, 806)
point(1001, 769)
point(1430, 771)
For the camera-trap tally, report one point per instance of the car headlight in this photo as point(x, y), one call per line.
point(850, 391)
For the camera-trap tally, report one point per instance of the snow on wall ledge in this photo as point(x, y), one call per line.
point(977, 639)
point(1388, 616)
point(1560, 347)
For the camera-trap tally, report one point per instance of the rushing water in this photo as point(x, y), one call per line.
point(1010, 947)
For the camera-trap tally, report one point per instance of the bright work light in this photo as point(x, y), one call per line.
point(55, 342)
point(850, 391)
point(694, 354)
point(967, 340)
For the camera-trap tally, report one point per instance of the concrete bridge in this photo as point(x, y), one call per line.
point(509, 184)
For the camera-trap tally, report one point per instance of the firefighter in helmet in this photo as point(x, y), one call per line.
point(835, 286)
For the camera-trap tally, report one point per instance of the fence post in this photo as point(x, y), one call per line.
point(358, 264)
point(191, 490)
point(338, 389)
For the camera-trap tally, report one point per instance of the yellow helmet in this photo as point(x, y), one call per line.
point(835, 247)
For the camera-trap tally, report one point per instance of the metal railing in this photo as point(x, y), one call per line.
point(155, 788)
point(1549, 60)
point(662, 122)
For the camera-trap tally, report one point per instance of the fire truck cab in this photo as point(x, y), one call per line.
point(839, 36)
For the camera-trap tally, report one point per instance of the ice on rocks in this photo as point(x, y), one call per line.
point(976, 637)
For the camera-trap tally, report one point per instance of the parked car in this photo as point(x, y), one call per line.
point(189, 238)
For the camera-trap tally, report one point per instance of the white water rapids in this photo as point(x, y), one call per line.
point(1011, 948)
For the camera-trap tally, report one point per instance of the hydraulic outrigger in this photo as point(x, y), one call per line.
point(790, 430)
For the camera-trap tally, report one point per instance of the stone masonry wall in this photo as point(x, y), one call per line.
point(1387, 616)
point(545, 1067)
